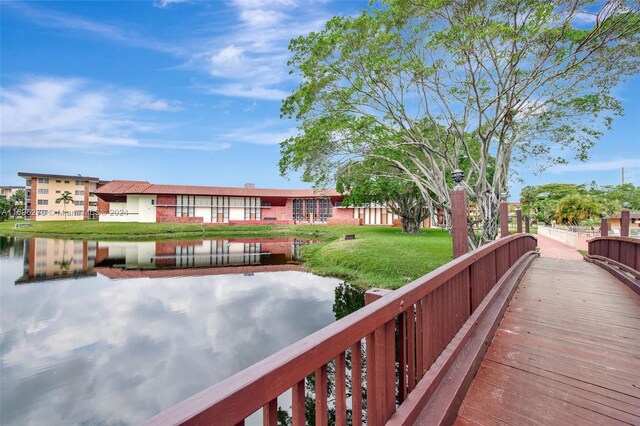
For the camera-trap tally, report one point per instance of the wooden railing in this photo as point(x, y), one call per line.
point(618, 255)
point(383, 349)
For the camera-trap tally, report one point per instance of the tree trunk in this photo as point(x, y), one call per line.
point(410, 226)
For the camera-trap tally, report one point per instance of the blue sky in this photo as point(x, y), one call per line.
point(186, 92)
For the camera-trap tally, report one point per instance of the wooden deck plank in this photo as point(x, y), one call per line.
point(567, 352)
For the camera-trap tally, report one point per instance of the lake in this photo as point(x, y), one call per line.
point(112, 333)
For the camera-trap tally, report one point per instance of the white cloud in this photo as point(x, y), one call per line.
point(261, 18)
point(139, 100)
point(263, 134)
point(629, 163)
point(240, 90)
point(166, 3)
point(250, 60)
point(48, 112)
point(53, 19)
point(584, 18)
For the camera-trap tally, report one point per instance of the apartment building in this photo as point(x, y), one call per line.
point(8, 191)
point(44, 190)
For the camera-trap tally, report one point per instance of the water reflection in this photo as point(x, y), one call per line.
point(98, 351)
point(50, 259)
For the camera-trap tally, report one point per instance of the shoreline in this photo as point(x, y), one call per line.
point(380, 256)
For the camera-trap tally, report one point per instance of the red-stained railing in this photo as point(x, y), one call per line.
point(403, 333)
point(618, 255)
point(622, 250)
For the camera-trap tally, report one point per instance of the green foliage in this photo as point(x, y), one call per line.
point(5, 209)
point(348, 299)
point(560, 201)
point(432, 86)
point(573, 209)
point(65, 198)
point(372, 181)
point(17, 197)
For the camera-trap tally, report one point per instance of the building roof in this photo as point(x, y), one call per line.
point(631, 216)
point(131, 187)
point(12, 187)
point(27, 175)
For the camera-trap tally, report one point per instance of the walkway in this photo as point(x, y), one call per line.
point(566, 352)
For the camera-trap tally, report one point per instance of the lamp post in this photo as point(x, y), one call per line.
point(624, 220)
point(459, 215)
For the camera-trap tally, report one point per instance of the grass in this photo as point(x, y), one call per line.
point(378, 257)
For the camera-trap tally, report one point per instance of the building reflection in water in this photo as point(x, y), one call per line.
point(49, 259)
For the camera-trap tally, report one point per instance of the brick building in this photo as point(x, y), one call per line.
point(141, 201)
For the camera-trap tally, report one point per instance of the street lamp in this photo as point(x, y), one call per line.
point(457, 176)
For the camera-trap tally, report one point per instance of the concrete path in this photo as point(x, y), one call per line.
point(556, 250)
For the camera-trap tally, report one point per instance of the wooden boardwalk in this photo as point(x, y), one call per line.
point(567, 351)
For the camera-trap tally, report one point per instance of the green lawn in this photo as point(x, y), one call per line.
point(378, 257)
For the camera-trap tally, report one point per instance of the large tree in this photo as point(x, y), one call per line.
point(518, 80)
point(374, 182)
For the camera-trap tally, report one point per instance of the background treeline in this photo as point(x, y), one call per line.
point(577, 205)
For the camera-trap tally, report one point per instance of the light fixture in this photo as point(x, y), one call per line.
point(457, 176)
point(625, 205)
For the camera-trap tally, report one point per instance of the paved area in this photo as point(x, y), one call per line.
point(566, 352)
point(556, 250)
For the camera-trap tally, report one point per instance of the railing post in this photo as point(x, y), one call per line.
point(374, 294)
point(519, 220)
point(624, 220)
point(527, 224)
point(604, 225)
point(459, 222)
point(504, 219)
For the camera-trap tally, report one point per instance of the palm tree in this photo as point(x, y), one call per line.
point(65, 198)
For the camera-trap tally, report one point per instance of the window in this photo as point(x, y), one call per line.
point(58, 191)
point(58, 201)
point(311, 209)
point(325, 209)
point(41, 264)
point(79, 192)
point(318, 209)
point(80, 183)
point(251, 209)
point(43, 191)
point(66, 181)
point(185, 206)
point(43, 202)
point(43, 180)
point(28, 182)
point(78, 203)
point(219, 209)
point(58, 181)
point(298, 210)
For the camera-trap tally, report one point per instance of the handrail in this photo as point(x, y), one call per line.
point(618, 255)
point(409, 327)
point(622, 250)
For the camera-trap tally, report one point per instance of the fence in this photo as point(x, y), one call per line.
point(383, 350)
